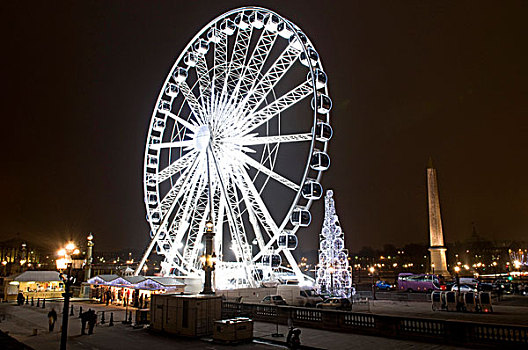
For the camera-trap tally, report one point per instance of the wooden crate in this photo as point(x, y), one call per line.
point(186, 315)
point(233, 330)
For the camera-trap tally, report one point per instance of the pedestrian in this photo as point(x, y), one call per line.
point(141, 301)
point(108, 296)
point(92, 319)
point(293, 340)
point(52, 318)
point(20, 299)
point(84, 319)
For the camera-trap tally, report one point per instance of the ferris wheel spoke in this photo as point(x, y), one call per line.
point(237, 229)
point(220, 61)
point(180, 222)
point(259, 208)
point(161, 227)
point(279, 178)
point(200, 213)
point(238, 58)
point(183, 122)
point(253, 220)
point(204, 80)
point(177, 191)
point(257, 95)
point(176, 144)
point(219, 227)
point(255, 140)
point(180, 164)
point(292, 97)
point(192, 102)
point(255, 63)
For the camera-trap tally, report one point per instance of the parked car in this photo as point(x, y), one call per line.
point(296, 295)
point(487, 287)
point(382, 285)
point(335, 303)
point(273, 300)
point(463, 288)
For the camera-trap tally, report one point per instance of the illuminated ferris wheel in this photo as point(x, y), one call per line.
point(238, 136)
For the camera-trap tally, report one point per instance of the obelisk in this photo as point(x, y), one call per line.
point(436, 235)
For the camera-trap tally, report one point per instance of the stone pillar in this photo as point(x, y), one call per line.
point(437, 249)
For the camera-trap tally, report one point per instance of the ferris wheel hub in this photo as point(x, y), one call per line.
point(202, 138)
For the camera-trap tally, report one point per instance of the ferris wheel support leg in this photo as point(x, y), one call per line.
point(146, 255)
point(301, 276)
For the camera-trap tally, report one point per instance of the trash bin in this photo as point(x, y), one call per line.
point(485, 302)
point(469, 302)
point(436, 300)
point(451, 301)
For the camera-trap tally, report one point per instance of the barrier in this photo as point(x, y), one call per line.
point(430, 330)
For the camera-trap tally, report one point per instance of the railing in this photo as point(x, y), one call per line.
point(431, 330)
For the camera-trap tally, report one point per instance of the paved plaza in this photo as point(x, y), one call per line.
point(512, 310)
point(21, 323)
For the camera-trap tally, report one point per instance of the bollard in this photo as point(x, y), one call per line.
point(38, 302)
point(32, 302)
point(80, 311)
point(35, 331)
point(102, 318)
point(43, 303)
point(111, 319)
point(71, 311)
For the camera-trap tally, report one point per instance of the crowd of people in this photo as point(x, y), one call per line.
point(122, 297)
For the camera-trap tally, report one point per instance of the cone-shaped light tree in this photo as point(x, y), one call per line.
point(333, 275)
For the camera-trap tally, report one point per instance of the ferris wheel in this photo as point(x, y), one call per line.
point(238, 137)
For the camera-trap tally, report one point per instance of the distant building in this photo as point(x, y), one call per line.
point(18, 255)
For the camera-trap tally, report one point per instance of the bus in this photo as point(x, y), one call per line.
point(418, 282)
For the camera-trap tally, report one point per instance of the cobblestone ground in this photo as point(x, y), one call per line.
point(29, 325)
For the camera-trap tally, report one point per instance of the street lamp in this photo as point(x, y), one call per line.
point(208, 259)
point(331, 270)
point(89, 260)
point(65, 262)
point(432, 267)
point(372, 270)
point(457, 281)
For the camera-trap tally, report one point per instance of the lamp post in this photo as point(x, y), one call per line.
point(372, 270)
point(432, 267)
point(457, 281)
point(331, 270)
point(208, 259)
point(66, 263)
point(89, 252)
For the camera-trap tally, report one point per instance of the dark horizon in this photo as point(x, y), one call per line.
point(409, 80)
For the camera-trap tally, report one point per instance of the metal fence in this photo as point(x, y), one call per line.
point(430, 330)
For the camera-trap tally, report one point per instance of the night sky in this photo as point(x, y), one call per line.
point(409, 80)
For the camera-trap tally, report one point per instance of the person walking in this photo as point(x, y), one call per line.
point(92, 319)
point(20, 299)
point(52, 318)
point(84, 319)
